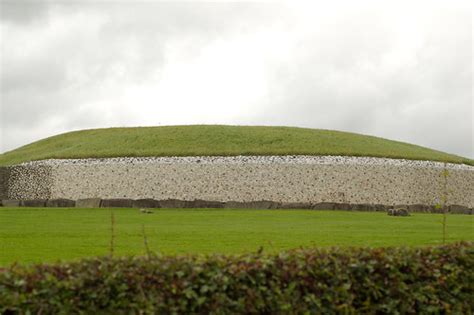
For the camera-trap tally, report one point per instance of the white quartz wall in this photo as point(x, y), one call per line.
point(280, 179)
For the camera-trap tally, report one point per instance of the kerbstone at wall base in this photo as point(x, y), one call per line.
point(197, 203)
point(88, 203)
point(37, 203)
point(420, 208)
point(264, 204)
point(4, 182)
point(207, 204)
point(116, 203)
point(323, 206)
point(295, 205)
point(173, 203)
point(145, 203)
point(364, 207)
point(380, 208)
point(457, 209)
point(11, 203)
point(60, 203)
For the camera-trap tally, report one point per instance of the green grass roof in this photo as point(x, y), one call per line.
point(218, 140)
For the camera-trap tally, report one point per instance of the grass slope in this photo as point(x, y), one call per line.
point(218, 140)
point(45, 235)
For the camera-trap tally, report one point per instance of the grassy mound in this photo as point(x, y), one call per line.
point(217, 140)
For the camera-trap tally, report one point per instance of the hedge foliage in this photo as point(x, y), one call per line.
point(351, 280)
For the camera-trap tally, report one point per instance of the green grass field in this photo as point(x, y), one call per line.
point(45, 235)
point(218, 140)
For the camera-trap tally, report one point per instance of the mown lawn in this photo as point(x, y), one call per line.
point(46, 235)
point(218, 140)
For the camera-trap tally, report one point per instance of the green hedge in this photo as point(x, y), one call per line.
point(390, 280)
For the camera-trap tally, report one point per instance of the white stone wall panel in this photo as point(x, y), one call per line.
point(280, 179)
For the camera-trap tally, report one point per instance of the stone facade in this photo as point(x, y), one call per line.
point(30, 181)
point(4, 176)
point(286, 179)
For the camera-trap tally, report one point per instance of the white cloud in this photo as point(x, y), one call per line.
point(401, 70)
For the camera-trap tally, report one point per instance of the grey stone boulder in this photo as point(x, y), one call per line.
point(295, 205)
point(363, 207)
point(260, 204)
point(117, 203)
point(61, 203)
point(88, 203)
point(235, 205)
point(439, 209)
point(380, 208)
point(399, 207)
point(372, 207)
point(342, 206)
point(457, 209)
point(173, 203)
point(323, 206)
point(33, 203)
point(145, 203)
point(198, 203)
point(419, 208)
point(10, 203)
point(399, 212)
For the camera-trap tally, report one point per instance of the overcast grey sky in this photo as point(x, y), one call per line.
point(395, 69)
